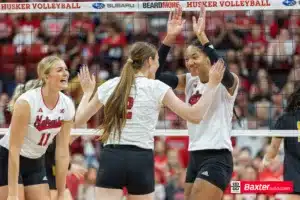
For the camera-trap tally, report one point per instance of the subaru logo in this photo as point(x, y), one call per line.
point(98, 5)
point(289, 2)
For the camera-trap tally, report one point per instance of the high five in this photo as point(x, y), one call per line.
point(132, 104)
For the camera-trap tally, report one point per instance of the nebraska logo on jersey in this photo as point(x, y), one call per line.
point(195, 98)
point(41, 124)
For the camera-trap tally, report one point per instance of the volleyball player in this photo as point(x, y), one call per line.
point(132, 103)
point(40, 112)
point(290, 120)
point(210, 166)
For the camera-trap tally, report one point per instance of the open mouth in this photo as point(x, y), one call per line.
point(64, 81)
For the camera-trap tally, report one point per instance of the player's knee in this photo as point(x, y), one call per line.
point(186, 195)
point(187, 191)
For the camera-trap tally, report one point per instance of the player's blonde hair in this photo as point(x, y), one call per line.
point(115, 111)
point(43, 69)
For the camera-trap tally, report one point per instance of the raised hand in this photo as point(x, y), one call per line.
point(199, 25)
point(216, 73)
point(175, 23)
point(87, 81)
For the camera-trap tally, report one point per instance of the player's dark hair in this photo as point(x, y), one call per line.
point(293, 102)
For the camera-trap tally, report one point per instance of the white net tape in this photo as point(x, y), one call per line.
point(177, 132)
point(148, 6)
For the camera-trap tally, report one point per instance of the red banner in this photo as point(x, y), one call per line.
point(262, 187)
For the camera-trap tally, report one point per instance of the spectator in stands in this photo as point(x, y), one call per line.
point(20, 77)
point(86, 191)
point(228, 36)
point(71, 36)
point(6, 28)
point(280, 50)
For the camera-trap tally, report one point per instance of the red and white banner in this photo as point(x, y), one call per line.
point(147, 6)
point(261, 187)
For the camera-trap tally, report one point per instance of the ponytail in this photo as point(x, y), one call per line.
point(115, 110)
point(21, 89)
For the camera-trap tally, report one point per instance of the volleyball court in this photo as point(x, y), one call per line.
point(260, 41)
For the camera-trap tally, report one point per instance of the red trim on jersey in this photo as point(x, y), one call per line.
point(45, 103)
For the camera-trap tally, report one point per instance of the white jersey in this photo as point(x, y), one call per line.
point(215, 132)
point(44, 123)
point(143, 109)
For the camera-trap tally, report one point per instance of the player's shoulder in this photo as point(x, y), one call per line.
point(65, 99)
point(30, 94)
point(153, 83)
point(110, 83)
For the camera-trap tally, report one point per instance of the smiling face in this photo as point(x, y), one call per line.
point(196, 61)
point(54, 72)
point(58, 76)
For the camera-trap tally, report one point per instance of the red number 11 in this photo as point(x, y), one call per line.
point(44, 139)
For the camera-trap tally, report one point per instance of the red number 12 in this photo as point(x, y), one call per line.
point(129, 106)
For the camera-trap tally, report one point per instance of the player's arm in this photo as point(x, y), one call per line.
point(176, 82)
point(229, 80)
point(62, 156)
point(273, 149)
point(19, 123)
point(198, 111)
point(87, 109)
point(175, 25)
point(281, 124)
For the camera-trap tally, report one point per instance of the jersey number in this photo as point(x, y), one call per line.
point(129, 106)
point(44, 139)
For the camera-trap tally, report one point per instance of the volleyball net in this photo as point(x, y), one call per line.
point(258, 38)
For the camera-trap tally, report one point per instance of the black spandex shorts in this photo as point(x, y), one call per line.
point(214, 166)
point(126, 166)
point(32, 171)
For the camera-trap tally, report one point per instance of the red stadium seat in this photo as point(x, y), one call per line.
point(12, 54)
point(8, 53)
point(31, 68)
point(35, 52)
point(7, 68)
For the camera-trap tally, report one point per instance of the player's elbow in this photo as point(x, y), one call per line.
point(195, 121)
point(194, 118)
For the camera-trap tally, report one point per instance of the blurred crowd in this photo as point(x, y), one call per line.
point(262, 47)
